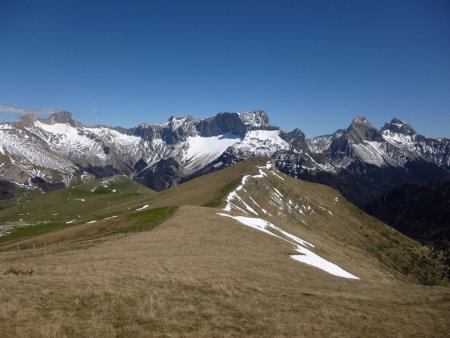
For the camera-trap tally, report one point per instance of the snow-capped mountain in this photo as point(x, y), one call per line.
point(59, 149)
point(363, 162)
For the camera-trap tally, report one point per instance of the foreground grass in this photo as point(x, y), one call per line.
point(198, 275)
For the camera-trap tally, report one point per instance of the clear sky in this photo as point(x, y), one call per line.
point(310, 64)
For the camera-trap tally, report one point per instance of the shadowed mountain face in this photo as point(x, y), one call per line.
point(421, 211)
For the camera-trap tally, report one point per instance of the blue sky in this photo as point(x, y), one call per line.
point(310, 64)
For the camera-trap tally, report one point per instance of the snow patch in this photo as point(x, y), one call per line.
point(203, 150)
point(306, 256)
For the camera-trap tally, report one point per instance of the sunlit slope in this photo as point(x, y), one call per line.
point(208, 189)
point(200, 274)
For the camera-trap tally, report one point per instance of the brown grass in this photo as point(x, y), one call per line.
point(19, 272)
point(205, 189)
point(199, 274)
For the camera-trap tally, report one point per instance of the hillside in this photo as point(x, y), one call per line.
point(420, 211)
point(36, 212)
point(248, 251)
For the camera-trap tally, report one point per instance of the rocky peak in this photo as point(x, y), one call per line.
point(222, 123)
point(398, 126)
point(176, 122)
point(295, 138)
point(27, 119)
point(360, 120)
point(361, 130)
point(62, 117)
point(255, 119)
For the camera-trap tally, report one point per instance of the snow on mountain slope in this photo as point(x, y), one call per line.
point(240, 201)
point(203, 150)
point(370, 152)
point(399, 139)
point(261, 143)
point(306, 255)
point(25, 153)
point(70, 141)
point(320, 144)
point(114, 137)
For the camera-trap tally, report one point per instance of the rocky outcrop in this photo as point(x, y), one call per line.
point(162, 176)
point(296, 139)
point(222, 123)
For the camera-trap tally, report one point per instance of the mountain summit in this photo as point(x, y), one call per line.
point(398, 126)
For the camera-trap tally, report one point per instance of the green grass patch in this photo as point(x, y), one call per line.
point(33, 230)
point(222, 192)
point(122, 194)
point(144, 220)
point(134, 222)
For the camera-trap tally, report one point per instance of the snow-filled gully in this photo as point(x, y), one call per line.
point(305, 255)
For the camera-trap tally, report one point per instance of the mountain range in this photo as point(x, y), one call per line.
point(360, 161)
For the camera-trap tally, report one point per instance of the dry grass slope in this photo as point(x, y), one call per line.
point(200, 275)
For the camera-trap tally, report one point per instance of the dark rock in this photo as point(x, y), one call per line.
point(46, 186)
point(295, 138)
point(222, 123)
point(100, 171)
point(361, 130)
point(7, 190)
point(139, 165)
point(161, 176)
point(398, 126)
point(62, 117)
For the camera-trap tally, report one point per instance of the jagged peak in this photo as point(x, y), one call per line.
point(61, 117)
point(362, 130)
point(28, 118)
point(359, 119)
point(175, 122)
point(398, 126)
point(255, 119)
point(396, 120)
